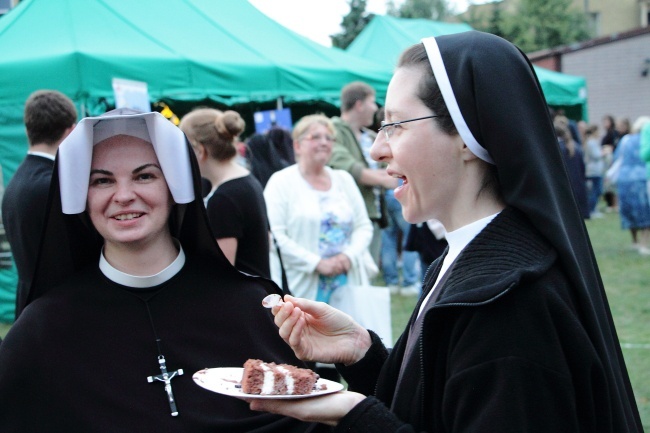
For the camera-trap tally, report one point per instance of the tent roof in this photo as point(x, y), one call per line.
point(227, 51)
point(385, 37)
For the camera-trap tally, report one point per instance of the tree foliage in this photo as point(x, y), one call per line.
point(437, 10)
point(352, 24)
point(535, 24)
point(530, 24)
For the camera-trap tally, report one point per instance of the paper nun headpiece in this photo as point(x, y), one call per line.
point(75, 153)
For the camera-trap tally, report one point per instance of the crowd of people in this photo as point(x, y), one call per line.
point(142, 246)
point(609, 172)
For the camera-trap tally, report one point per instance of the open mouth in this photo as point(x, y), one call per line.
point(127, 216)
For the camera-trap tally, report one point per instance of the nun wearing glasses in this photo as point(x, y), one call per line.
point(513, 332)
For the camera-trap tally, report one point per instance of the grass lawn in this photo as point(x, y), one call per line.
point(626, 276)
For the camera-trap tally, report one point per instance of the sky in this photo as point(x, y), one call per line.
point(317, 19)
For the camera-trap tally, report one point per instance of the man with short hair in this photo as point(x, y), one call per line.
point(49, 117)
point(352, 153)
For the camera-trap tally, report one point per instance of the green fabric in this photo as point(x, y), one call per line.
point(385, 37)
point(224, 51)
point(227, 51)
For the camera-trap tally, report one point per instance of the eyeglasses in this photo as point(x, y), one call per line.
point(389, 128)
point(319, 137)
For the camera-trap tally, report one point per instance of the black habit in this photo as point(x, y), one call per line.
point(521, 337)
point(79, 356)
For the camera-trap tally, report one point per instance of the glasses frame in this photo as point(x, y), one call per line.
point(312, 137)
point(390, 126)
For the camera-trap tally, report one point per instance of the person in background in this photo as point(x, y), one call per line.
point(645, 151)
point(608, 142)
point(513, 331)
point(393, 244)
point(235, 204)
point(132, 297)
point(622, 128)
point(319, 220)
point(428, 240)
point(49, 117)
point(352, 154)
point(317, 216)
point(575, 164)
point(633, 202)
point(594, 169)
point(264, 158)
point(281, 139)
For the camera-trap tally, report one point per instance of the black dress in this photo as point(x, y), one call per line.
point(237, 210)
point(79, 357)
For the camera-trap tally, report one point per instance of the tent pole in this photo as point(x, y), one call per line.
point(278, 103)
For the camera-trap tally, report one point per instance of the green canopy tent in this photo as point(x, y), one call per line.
point(385, 37)
point(187, 51)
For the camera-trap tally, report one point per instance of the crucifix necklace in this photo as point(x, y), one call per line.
point(164, 376)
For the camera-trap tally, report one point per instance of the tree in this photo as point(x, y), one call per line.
point(352, 24)
point(548, 24)
point(496, 21)
point(437, 10)
point(535, 24)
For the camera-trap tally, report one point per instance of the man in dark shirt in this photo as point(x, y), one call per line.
point(49, 117)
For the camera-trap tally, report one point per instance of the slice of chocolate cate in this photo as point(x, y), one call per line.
point(263, 378)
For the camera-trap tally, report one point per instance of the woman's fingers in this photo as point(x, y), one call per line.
point(286, 328)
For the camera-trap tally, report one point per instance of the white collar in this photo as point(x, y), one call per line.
point(145, 282)
point(458, 240)
point(43, 154)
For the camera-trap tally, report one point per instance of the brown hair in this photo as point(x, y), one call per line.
point(48, 114)
point(215, 130)
point(561, 124)
point(428, 89)
point(353, 92)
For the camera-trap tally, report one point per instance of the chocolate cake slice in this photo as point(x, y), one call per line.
point(264, 378)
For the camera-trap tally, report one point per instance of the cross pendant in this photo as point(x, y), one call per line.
point(166, 378)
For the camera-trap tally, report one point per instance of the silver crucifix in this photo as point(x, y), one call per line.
point(166, 378)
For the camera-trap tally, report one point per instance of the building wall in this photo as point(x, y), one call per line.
point(614, 15)
point(615, 84)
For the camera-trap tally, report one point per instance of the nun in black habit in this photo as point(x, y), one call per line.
point(513, 332)
point(130, 281)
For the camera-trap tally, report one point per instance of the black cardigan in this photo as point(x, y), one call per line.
point(503, 348)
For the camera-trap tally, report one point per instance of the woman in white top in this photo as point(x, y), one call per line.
point(317, 216)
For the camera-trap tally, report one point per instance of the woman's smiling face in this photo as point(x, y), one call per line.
point(427, 160)
point(128, 198)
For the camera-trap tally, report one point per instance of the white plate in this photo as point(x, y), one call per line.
point(225, 380)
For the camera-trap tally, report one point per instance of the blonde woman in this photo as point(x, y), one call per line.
point(317, 215)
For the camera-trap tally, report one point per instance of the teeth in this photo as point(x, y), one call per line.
point(127, 216)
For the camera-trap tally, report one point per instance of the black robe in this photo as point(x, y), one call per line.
point(553, 324)
point(79, 357)
point(503, 348)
